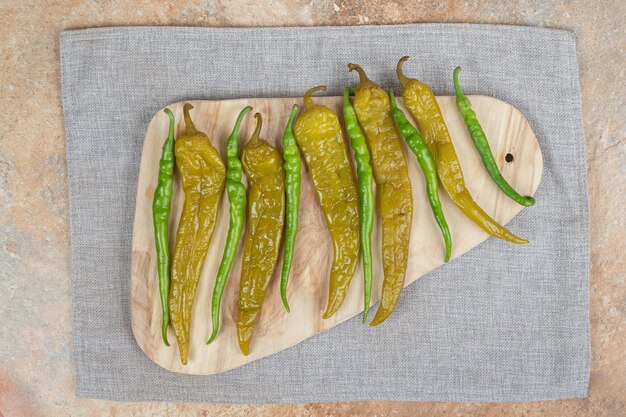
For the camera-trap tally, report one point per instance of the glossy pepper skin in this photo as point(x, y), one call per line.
point(394, 194)
point(482, 144)
point(421, 102)
point(320, 139)
point(237, 214)
point(365, 183)
point(202, 174)
point(161, 206)
point(263, 166)
point(293, 179)
point(426, 161)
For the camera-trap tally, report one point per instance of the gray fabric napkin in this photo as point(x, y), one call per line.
point(503, 323)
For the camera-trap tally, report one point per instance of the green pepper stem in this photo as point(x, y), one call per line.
point(257, 130)
point(457, 86)
point(308, 101)
point(392, 100)
point(171, 117)
point(364, 82)
point(401, 77)
point(242, 114)
point(190, 127)
point(292, 116)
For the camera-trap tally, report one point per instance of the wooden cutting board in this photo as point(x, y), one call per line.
point(508, 132)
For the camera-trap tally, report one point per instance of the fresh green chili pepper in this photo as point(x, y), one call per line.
point(292, 188)
point(237, 198)
point(427, 163)
point(365, 181)
point(161, 205)
point(482, 145)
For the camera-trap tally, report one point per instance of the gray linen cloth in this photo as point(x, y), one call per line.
point(503, 323)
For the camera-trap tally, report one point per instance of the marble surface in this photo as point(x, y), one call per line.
point(36, 377)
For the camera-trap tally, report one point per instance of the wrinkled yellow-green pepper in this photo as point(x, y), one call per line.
point(203, 174)
point(319, 137)
point(263, 165)
point(393, 187)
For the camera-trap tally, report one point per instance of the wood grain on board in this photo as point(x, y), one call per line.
point(508, 132)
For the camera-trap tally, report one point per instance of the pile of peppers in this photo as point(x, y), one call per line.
point(269, 208)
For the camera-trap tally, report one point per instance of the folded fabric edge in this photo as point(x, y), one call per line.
point(109, 31)
point(122, 396)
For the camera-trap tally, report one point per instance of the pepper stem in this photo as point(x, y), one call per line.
point(364, 82)
point(169, 144)
point(392, 100)
point(457, 86)
point(292, 116)
point(242, 114)
point(190, 127)
point(401, 77)
point(308, 101)
point(257, 130)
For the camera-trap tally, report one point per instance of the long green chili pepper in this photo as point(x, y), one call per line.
point(365, 181)
point(237, 198)
point(161, 205)
point(292, 189)
point(482, 145)
point(427, 163)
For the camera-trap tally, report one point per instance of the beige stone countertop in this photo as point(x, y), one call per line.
point(36, 374)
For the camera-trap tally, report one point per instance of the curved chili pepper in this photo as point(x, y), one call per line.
point(482, 144)
point(365, 183)
point(266, 211)
point(161, 205)
point(319, 136)
point(421, 102)
point(394, 194)
point(237, 211)
point(427, 163)
point(292, 187)
point(202, 174)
